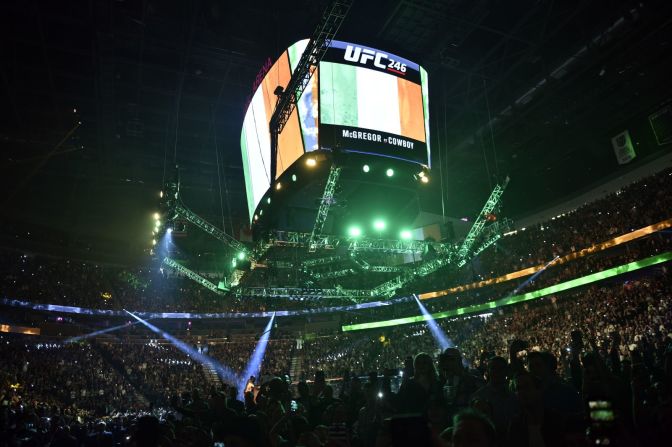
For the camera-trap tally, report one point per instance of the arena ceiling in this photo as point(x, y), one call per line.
point(158, 82)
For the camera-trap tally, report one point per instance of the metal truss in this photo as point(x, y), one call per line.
point(321, 261)
point(310, 59)
point(325, 203)
point(334, 274)
point(389, 287)
point(376, 268)
point(191, 275)
point(187, 214)
point(361, 244)
point(481, 220)
point(491, 234)
point(296, 239)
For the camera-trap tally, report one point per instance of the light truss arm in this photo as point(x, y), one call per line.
point(491, 234)
point(311, 57)
point(321, 261)
point(209, 228)
point(325, 204)
point(481, 220)
point(375, 268)
point(334, 274)
point(190, 274)
point(362, 244)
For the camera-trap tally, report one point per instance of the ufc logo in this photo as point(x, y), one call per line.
point(364, 55)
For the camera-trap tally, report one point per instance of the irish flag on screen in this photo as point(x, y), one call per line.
point(370, 99)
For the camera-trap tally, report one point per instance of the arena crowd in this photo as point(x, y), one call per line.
point(590, 366)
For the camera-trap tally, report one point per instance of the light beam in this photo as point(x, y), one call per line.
point(254, 364)
point(439, 336)
point(224, 372)
point(99, 332)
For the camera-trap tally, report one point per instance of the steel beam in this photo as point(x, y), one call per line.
point(325, 203)
point(191, 275)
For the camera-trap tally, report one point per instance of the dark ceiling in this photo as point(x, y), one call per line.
point(161, 82)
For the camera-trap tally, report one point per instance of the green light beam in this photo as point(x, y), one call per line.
point(507, 301)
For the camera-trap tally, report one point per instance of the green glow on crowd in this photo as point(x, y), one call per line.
point(507, 301)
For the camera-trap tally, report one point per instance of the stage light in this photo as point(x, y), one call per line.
point(157, 216)
point(153, 241)
point(161, 194)
point(241, 256)
point(389, 172)
point(169, 230)
point(234, 263)
point(366, 168)
point(278, 186)
point(379, 224)
point(256, 217)
point(354, 231)
point(293, 177)
point(406, 235)
point(268, 200)
point(424, 179)
point(310, 162)
point(158, 223)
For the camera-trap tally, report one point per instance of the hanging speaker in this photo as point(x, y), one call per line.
point(623, 148)
point(661, 123)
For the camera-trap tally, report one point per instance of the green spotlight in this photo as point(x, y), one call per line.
point(293, 177)
point(406, 235)
point(354, 231)
point(379, 224)
point(366, 168)
point(241, 256)
point(389, 172)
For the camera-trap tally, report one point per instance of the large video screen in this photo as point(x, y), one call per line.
point(358, 100)
point(373, 102)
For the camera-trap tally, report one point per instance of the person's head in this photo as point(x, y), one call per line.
point(541, 364)
point(370, 393)
point(302, 389)
point(309, 439)
point(252, 379)
point(423, 365)
point(450, 362)
point(148, 431)
point(497, 370)
point(328, 392)
point(276, 388)
point(232, 392)
point(473, 429)
point(528, 389)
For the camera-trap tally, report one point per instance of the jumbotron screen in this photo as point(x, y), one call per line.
point(358, 100)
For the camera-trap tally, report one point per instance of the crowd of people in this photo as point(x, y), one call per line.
point(589, 366)
point(522, 376)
